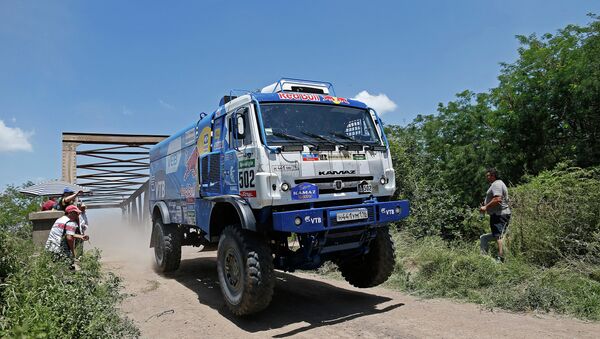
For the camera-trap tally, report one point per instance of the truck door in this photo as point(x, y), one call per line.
point(244, 151)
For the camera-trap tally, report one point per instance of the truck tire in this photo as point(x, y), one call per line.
point(167, 248)
point(245, 270)
point(374, 267)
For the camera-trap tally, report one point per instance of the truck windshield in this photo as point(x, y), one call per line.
point(317, 124)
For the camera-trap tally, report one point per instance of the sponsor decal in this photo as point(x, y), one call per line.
point(335, 100)
point(286, 167)
point(338, 157)
point(160, 189)
point(189, 137)
point(312, 97)
point(387, 211)
point(152, 183)
point(204, 141)
point(299, 96)
point(305, 191)
point(248, 194)
point(359, 156)
point(188, 193)
point(310, 157)
point(246, 163)
point(312, 220)
point(174, 151)
point(217, 136)
point(191, 165)
point(337, 172)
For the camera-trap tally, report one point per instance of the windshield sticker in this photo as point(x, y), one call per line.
point(312, 97)
point(286, 168)
point(305, 191)
point(359, 157)
point(248, 194)
point(334, 156)
point(310, 157)
point(246, 163)
point(299, 96)
point(268, 131)
point(335, 100)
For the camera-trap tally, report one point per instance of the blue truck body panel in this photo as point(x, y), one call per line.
point(325, 219)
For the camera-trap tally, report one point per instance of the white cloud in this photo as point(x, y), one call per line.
point(380, 102)
point(14, 139)
point(166, 105)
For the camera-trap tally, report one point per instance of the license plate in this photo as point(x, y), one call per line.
point(357, 214)
point(364, 187)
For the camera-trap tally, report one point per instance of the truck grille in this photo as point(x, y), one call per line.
point(210, 178)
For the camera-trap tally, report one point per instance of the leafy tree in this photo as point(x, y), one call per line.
point(544, 111)
point(15, 207)
point(548, 100)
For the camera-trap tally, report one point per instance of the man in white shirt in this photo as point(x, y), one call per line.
point(61, 239)
point(496, 205)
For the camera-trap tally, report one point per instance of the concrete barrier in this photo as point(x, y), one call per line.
point(42, 223)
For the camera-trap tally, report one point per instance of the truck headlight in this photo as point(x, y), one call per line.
point(298, 221)
point(383, 180)
point(285, 186)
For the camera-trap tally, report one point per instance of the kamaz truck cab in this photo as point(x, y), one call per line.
point(285, 178)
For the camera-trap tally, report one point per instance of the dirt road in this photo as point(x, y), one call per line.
point(189, 304)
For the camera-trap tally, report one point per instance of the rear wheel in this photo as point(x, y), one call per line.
point(167, 248)
point(245, 270)
point(374, 267)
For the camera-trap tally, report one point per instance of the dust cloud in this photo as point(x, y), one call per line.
point(118, 239)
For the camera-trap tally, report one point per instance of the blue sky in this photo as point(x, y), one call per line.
point(150, 67)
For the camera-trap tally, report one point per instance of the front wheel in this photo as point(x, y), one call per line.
point(374, 267)
point(167, 249)
point(245, 270)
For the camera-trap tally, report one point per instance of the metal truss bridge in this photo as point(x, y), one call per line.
point(115, 167)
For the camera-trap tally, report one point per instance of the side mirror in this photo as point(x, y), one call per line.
point(241, 133)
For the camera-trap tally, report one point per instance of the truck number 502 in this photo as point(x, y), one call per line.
point(247, 179)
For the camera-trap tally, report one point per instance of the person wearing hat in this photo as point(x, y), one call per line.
point(83, 226)
point(61, 240)
point(68, 198)
point(83, 220)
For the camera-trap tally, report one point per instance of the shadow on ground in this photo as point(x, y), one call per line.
point(295, 300)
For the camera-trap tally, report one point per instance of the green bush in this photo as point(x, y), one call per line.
point(435, 268)
point(556, 217)
point(40, 297)
point(43, 298)
point(14, 253)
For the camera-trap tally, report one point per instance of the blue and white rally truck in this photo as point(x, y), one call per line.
point(284, 178)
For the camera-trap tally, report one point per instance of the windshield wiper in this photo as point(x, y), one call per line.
point(331, 141)
point(293, 137)
point(373, 145)
point(353, 141)
point(329, 146)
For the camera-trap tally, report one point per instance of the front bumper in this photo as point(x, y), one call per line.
point(323, 219)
